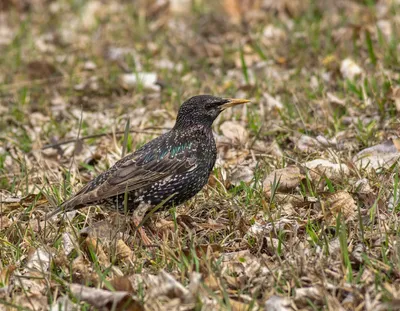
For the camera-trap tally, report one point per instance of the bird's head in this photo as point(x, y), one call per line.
point(204, 109)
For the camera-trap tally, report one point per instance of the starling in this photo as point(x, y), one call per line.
point(170, 169)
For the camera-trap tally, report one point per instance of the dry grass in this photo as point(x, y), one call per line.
point(298, 215)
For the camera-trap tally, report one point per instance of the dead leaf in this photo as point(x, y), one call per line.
point(212, 282)
point(68, 243)
point(306, 143)
point(234, 157)
point(179, 7)
point(340, 202)
point(124, 253)
point(265, 228)
point(349, 69)
point(396, 97)
point(41, 70)
point(234, 131)
point(103, 230)
point(104, 299)
point(308, 293)
point(334, 99)
point(5, 274)
point(94, 245)
point(277, 303)
point(272, 33)
point(31, 301)
point(194, 283)
point(89, 65)
point(241, 173)
point(379, 156)
point(122, 283)
point(164, 284)
point(83, 272)
point(357, 253)
point(320, 168)
point(237, 9)
point(5, 222)
point(243, 265)
point(272, 103)
point(147, 80)
point(362, 186)
point(13, 202)
point(91, 12)
point(39, 260)
point(240, 306)
point(385, 26)
point(289, 178)
point(64, 304)
point(212, 250)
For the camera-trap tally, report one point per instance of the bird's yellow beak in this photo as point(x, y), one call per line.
point(234, 102)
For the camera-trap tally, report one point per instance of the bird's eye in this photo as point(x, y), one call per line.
point(209, 106)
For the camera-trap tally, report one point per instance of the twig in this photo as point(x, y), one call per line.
point(73, 140)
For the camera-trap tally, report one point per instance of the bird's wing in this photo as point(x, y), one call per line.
point(133, 175)
point(139, 170)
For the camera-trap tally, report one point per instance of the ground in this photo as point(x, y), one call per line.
point(302, 209)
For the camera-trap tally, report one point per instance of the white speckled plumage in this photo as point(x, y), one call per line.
point(174, 166)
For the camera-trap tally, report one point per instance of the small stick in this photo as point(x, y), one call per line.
point(73, 140)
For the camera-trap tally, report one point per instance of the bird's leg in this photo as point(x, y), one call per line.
point(137, 218)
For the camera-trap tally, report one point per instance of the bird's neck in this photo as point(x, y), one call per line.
point(192, 127)
point(196, 131)
point(185, 122)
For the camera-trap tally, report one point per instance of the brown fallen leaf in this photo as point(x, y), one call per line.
point(241, 173)
point(307, 144)
point(39, 260)
point(396, 97)
point(349, 69)
point(339, 202)
point(31, 301)
point(147, 80)
point(320, 168)
point(237, 9)
point(92, 245)
point(239, 306)
point(235, 132)
point(104, 299)
point(11, 202)
point(277, 303)
point(165, 284)
point(82, 271)
point(314, 293)
point(68, 243)
point(212, 282)
point(104, 230)
point(5, 222)
point(65, 304)
point(209, 249)
point(41, 70)
point(379, 156)
point(288, 178)
point(212, 226)
point(124, 253)
point(6, 273)
point(122, 283)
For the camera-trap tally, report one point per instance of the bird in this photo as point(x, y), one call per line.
point(168, 170)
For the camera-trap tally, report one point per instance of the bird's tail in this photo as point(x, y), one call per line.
point(54, 213)
point(66, 206)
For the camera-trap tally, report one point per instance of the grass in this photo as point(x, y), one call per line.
point(296, 243)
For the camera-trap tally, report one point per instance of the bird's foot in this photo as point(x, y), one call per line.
point(145, 239)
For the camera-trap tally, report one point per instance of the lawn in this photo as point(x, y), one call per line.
point(302, 209)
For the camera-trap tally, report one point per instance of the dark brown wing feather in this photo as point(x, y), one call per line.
point(138, 170)
point(138, 177)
